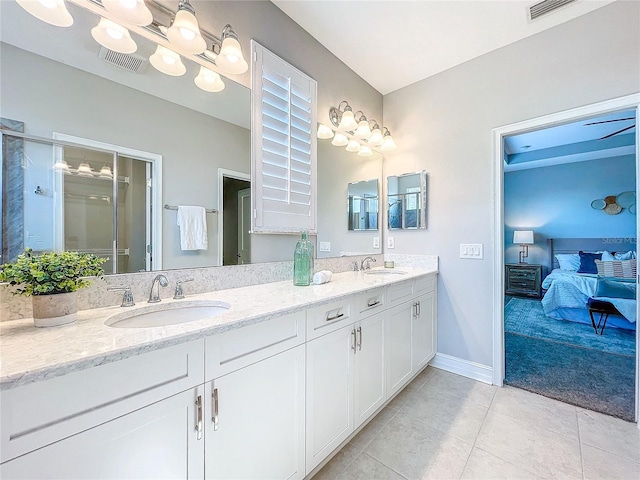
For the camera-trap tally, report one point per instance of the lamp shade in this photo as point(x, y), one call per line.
point(363, 130)
point(523, 237)
point(184, 33)
point(135, 12)
point(324, 132)
point(230, 58)
point(113, 36)
point(365, 151)
point(168, 62)
point(339, 140)
point(347, 122)
point(376, 137)
point(353, 146)
point(53, 12)
point(209, 81)
point(388, 144)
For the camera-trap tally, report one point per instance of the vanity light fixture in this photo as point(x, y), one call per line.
point(365, 151)
point(230, 58)
point(135, 12)
point(106, 173)
point(353, 146)
point(388, 144)
point(113, 36)
point(363, 130)
point(53, 12)
point(325, 132)
point(342, 117)
point(340, 140)
point(84, 170)
point(184, 32)
point(209, 81)
point(62, 166)
point(168, 62)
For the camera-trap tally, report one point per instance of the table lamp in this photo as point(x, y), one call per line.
point(524, 238)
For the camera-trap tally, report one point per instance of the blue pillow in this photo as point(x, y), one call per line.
point(588, 262)
point(613, 289)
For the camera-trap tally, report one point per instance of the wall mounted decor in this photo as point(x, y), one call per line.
point(614, 204)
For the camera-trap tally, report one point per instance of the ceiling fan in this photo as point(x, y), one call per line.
point(616, 120)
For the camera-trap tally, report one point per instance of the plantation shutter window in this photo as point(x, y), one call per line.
point(284, 146)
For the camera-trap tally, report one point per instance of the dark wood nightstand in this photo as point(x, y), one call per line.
point(523, 280)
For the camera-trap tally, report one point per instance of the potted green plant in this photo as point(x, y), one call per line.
point(52, 279)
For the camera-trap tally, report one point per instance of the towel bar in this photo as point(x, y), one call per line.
point(174, 207)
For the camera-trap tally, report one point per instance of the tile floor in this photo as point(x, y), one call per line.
point(444, 426)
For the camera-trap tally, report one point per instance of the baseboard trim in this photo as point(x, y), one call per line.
point(476, 371)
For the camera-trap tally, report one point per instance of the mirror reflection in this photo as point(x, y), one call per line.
point(363, 205)
point(407, 200)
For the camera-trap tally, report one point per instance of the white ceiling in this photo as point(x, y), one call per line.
point(394, 43)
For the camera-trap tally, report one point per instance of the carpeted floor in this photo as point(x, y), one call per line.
point(568, 361)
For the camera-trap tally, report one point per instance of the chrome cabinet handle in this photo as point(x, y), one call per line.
point(360, 341)
point(419, 308)
point(335, 317)
point(353, 344)
point(369, 304)
point(199, 417)
point(214, 419)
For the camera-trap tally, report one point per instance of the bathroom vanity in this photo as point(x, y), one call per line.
point(267, 389)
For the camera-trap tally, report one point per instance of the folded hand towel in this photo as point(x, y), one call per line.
point(192, 221)
point(323, 276)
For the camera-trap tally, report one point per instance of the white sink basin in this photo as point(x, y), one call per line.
point(386, 271)
point(163, 314)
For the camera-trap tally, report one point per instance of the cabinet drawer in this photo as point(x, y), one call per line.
point(41, 413)
point(238, 348)
point(425, 284)
point(330, 317)
point(399, 292)
point(372, 301)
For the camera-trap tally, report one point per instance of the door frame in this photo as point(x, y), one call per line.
point(627, 102)
point(222, 174)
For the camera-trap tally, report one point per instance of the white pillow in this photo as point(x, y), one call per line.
point(568, 261)
point(624, 255)
point(608, 256)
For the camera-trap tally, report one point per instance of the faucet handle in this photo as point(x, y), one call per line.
point(179, 293)
point(355, 266)
point(127, 296)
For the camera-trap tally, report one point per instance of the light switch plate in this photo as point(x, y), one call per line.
point(325, 246)
point(391, 242)
point(376, 242)
point(472, 250)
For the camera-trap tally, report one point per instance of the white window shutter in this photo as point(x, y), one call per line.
point(283, 174)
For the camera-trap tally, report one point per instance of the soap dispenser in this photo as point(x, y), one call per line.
point(303, 261)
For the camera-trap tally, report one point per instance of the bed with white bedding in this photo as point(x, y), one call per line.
point(567, 291)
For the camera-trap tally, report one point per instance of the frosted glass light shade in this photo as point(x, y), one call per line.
point(230, 58)
point(375, 139)
point(523, 237)
point(113, 36)
point(209, 81)
point(353, 146)
point(53, 12)
point(84, 170)
point(365, 151)
point(363, 130)
point(185, 34)
point(388, 144)
point(324, 132)
point(168, 62)
point(347, 122)
point(339, 140)
point(62, 166)
point(135, 12)
point(106, 173)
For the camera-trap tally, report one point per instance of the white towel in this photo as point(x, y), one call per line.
point(323, 276)
point(192, 221)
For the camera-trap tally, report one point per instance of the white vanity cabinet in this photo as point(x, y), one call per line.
point(423, 346)
point(398, 346)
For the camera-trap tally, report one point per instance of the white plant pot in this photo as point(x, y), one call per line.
point(53, 310)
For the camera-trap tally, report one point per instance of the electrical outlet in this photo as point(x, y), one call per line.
point(391, 242)
point(325, 246)
point(376, 242)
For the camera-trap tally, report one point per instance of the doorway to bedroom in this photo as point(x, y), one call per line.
point(569, 266)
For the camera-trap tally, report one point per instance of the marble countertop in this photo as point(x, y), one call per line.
point(29, 354)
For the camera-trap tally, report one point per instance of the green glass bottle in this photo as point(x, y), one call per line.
point(303, 261)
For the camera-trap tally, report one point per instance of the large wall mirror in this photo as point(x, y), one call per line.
point(407, 200)
point(55, 81)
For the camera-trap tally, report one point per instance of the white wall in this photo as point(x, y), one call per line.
point(444, 124)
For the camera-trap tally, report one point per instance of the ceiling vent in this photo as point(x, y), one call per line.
point(133, 63)
point(547, 6)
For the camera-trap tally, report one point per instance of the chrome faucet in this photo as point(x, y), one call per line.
point(179, 293)
point(161, 281)
point(365, 265)
point(127, 296)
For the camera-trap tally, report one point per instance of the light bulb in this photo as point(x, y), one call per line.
point(339, 140)
point(324, 132)
point(353, 146)
point(113, 36)
point(168, 62)
point(184, 33)
point(209, 81)
point(135, 12)
point(53, 12)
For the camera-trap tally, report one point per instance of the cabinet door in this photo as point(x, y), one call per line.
point(424, 331)
point(157, 441)
point(255, 420)
point(330, 360)
point(398, 346)
point(369, 367)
